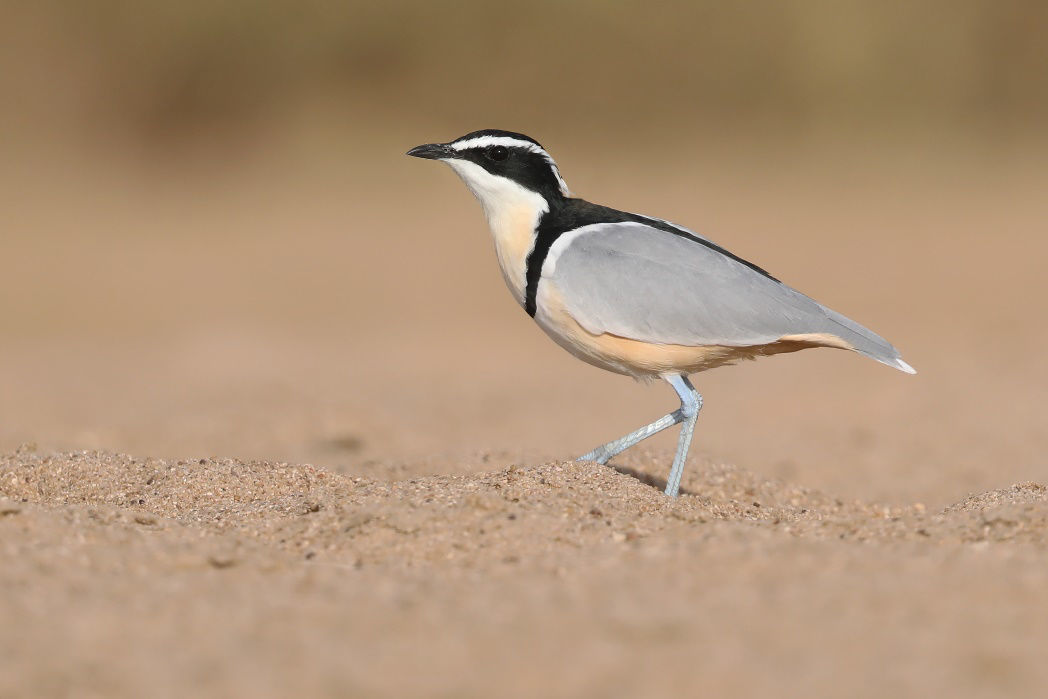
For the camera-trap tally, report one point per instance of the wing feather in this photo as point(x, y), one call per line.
point(644, 283)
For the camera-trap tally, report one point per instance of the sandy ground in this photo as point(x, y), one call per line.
point(257, 440)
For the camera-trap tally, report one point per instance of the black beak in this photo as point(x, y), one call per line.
point(431, 151)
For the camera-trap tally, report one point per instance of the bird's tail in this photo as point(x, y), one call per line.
point(865, 341)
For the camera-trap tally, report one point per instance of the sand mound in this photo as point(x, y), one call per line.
point(295, 507)
point(131, 576)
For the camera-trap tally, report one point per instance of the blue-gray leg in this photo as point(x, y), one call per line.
point(603, 454)
point(690, 404)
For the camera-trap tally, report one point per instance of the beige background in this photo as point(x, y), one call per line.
point(214, 248)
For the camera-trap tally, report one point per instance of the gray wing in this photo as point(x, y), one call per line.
point(643, 283)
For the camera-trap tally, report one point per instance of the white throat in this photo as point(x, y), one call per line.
point(512, 211)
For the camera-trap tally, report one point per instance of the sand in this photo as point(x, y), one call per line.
point(131, 577)
point(255, 444)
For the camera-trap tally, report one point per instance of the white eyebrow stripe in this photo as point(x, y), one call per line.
point(510, 142)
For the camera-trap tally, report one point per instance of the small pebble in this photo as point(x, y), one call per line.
point(221, 560)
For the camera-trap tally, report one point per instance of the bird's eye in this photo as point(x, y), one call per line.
point(497, 153)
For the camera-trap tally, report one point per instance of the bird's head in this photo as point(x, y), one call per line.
point(497, 165)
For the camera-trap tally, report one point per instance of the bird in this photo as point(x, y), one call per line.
point(635, 295)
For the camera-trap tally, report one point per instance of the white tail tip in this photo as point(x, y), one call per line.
point(903, 366)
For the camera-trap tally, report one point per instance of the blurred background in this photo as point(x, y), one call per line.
point(214, 246)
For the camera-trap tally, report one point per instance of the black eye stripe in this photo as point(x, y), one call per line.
point(497, 153)
point(528, 166)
